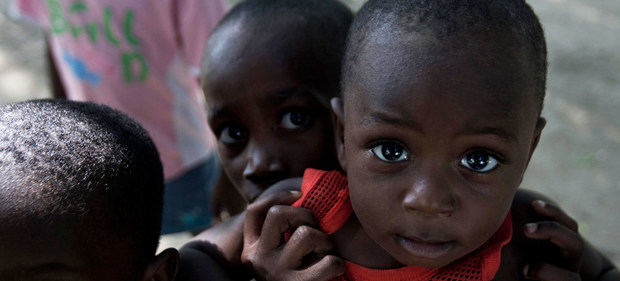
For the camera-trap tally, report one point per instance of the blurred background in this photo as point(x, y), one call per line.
point(577, 162)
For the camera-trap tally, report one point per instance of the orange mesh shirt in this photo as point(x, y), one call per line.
point(326, 194)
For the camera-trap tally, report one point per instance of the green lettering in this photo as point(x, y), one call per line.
point(127, 28)
point(129, 60)
point(58, 21)
point(76, 31)
point(93, 31)
point(107, 28)
point(78, 7)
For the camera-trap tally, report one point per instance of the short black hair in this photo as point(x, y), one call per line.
point(320, 25)
point(445, 18)
point(84, 162)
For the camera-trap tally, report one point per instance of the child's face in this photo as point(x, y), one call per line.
point(435, 146)
point(56, 252)
point(269, 124)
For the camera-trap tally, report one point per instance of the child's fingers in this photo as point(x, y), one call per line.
point(555, 213)
point(256, 212)
point(570, 242)
point(290, 184)
point(328, 268)
point(548, 272)
point(279, 220)
point(557, 234)
point(304, 241)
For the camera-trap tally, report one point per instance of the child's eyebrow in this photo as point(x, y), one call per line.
point(216, 112)
point(488, 130)
point(284, 94)
point(271, 98)
point(276, 97)
point(386, 118)
point(280, 96)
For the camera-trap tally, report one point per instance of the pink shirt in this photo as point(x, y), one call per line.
point(141, 57)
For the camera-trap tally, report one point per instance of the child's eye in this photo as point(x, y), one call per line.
point(295, 119)
point(479, 161)
point(233, 135)
point(390, 152)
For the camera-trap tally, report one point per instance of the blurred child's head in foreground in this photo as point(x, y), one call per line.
point(441, 115)
point(270, 68)
point(81, 190)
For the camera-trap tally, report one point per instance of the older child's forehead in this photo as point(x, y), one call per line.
point(241, 48)
point(240, 39)
point(240, 66)
point(263, 75)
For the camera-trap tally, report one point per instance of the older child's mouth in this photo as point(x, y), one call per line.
point(429, 249)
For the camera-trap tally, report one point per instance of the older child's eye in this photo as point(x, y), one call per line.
point(479, 161)
point(233, 135)
point(390, 152)
point(295, 119)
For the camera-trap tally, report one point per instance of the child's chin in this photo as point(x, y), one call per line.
point(409, 259)
point(421, 262)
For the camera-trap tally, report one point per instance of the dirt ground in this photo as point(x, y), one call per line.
point(577, 161)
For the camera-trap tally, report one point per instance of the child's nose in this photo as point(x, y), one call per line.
point(263, 166)
point(430, 195)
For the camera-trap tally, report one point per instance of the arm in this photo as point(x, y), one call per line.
point(305, 255)
point(556, 250)
point(201, 260)
point(226, 238)
point(596, 266)
point(221, 245)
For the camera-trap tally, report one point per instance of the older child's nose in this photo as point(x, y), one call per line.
point(430, 195)
point(263, 166)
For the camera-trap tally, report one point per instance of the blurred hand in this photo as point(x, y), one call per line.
point(562, 231)
point(303, 257)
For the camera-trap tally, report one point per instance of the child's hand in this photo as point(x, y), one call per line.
point(267, 221)
point(561, 231)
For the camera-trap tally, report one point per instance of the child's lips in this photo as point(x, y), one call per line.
point(425, 248)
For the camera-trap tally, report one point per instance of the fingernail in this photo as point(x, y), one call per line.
point(540, 203)
point(531, 227)
point(295, 193)
point(526, 270)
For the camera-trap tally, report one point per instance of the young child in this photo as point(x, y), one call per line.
point(252, 129)
point(81, 191)
point(269, 71)
point(442, 103)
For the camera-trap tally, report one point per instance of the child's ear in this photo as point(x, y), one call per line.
point(338, 110)
point(540, 125)
point(164, 266)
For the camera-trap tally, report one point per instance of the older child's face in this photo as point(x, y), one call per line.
point(269, 124)
point(435, 147)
